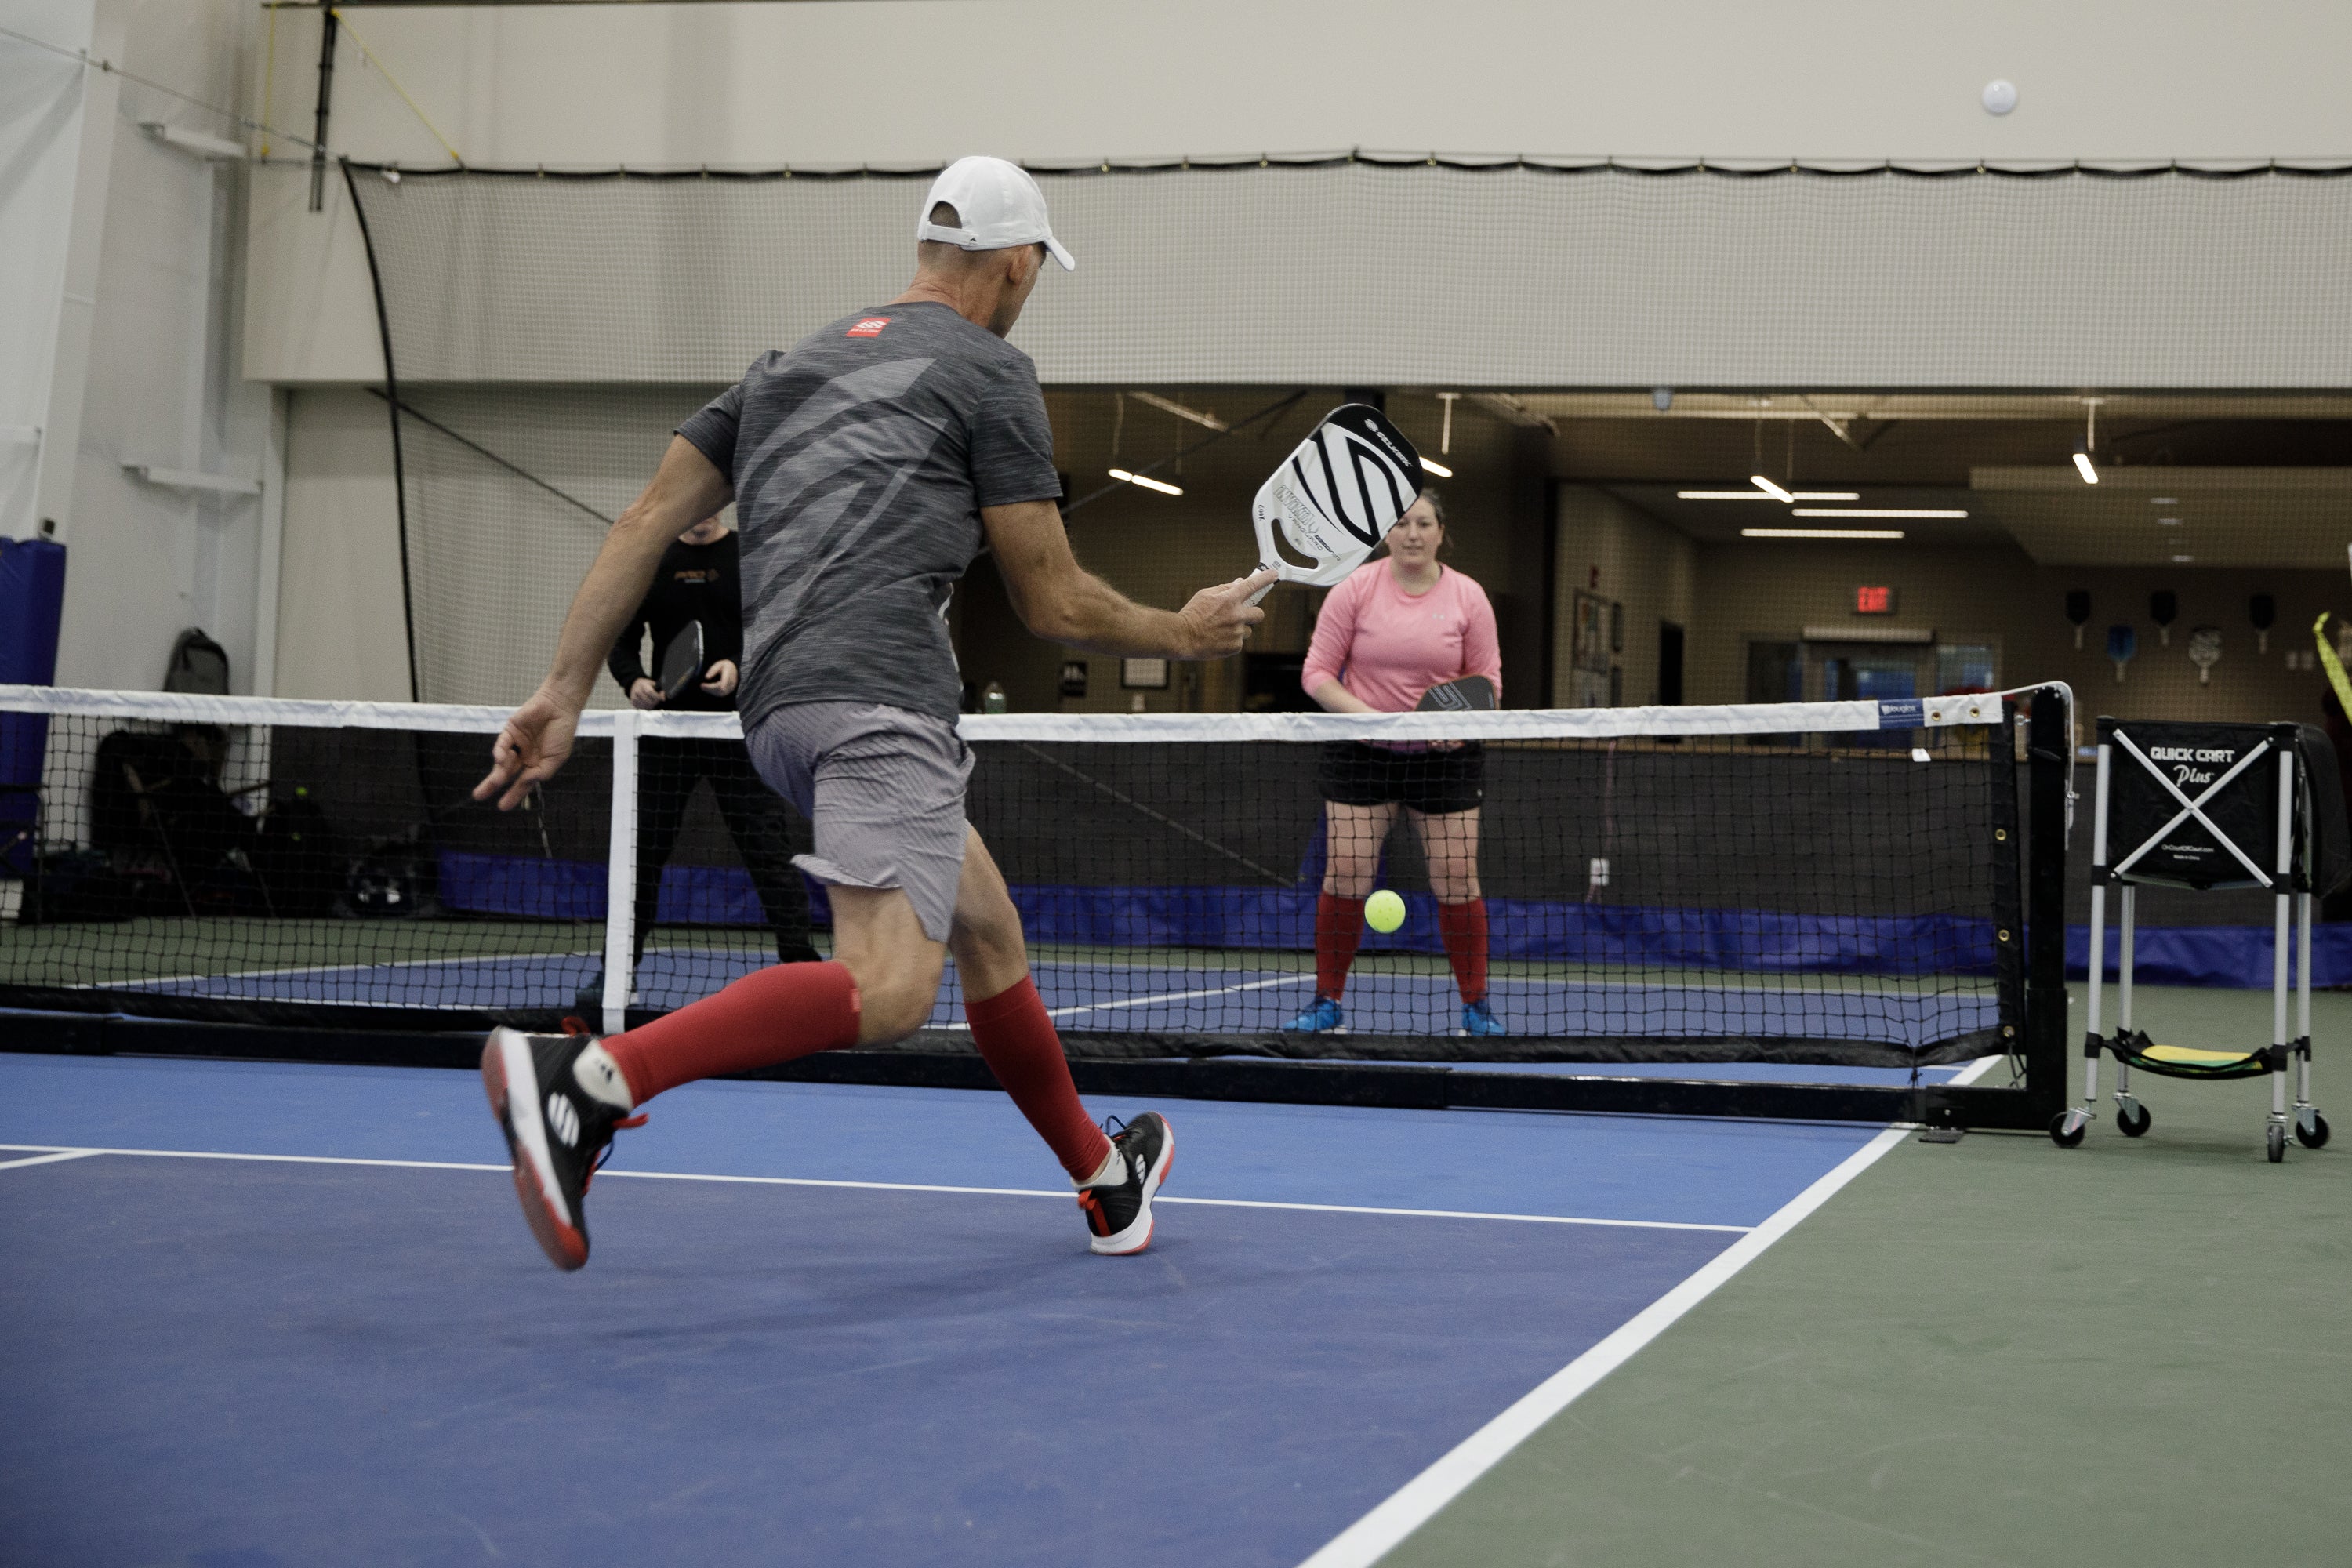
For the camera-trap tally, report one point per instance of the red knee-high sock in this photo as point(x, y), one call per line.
point(768, 1016)
point(1465, 929)
point(1338, 927)
point(1021, 1048)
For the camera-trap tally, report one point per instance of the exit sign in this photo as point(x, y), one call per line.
point(1873, 600)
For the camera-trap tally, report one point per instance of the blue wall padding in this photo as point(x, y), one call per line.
point(32, 605)
point(1283, 918)
point(540, 889)
point(2211, 955)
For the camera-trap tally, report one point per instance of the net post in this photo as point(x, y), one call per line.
point(2049, 744)
point(620, 876)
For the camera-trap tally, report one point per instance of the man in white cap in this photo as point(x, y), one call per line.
point(868, 464)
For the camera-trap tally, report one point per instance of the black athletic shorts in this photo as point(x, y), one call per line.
point(1352, 774)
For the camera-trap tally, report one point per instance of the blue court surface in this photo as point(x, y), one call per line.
point(1224, 993)
point(290, 1314)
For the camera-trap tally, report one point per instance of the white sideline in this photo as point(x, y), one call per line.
point(48, 1159)
point(53, 1152)
point(1373, 1536)
point(1176, 996)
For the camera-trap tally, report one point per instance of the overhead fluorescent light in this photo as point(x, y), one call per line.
point(1170, 406)
point(1820, 533)
point(1876, 511)
point(2182, 560)
point(2167, 522)
point(1123, 476)
point(2082, 467)
point(1440, 469)
point(2164, 501)
point(1759, 495)
point(1770, 489)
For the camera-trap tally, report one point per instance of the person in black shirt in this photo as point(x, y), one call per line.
point(699, 579)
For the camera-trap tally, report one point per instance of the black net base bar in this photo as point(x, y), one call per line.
point(1851, 884)
point(948, 1063)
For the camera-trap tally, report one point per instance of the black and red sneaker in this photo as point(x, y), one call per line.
point(1119, 1213)
point(557, 1133)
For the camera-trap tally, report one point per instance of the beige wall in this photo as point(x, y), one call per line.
point(340, 629)
point(897, 80)
point(1073, 83)
point(2000, 595)
point(1629, 558)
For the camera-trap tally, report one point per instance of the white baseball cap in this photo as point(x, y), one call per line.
point(1000, 204)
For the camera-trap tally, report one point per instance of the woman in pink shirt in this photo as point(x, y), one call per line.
point(1388, 632)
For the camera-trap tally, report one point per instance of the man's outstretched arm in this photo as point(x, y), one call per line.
point(1063, 602)
point(538, 737)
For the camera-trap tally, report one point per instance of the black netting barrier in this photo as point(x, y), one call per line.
point(1825, 883)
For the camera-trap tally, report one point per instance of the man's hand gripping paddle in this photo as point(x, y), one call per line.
point(1335, 497)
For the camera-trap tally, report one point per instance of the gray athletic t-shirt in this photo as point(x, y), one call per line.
point(861, 457)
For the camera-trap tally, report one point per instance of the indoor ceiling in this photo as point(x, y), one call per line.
point(1839, 407)
point(2179, 516)
point(1721, 522)
point(2253, 479)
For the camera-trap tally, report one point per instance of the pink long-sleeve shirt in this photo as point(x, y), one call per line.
point(1387, 647)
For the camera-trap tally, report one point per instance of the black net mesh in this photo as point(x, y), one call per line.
point(1725, 886)
point(261, 863)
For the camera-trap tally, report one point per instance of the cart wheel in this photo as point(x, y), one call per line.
point(2065, 1136)
point(2131, 1125)
point(2276, 1141)
point(2315, 1137)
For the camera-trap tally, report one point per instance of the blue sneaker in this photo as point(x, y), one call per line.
point(1323, 1018)
point(1477, 1018)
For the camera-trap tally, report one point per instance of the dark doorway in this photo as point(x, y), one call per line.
point(1670, 664)
point(1270, 684)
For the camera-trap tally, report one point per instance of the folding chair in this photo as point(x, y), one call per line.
point(2208, 806)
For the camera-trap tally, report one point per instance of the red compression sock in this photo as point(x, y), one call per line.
point(1465, 929)
point(1338, 927)
point(1020, 1046)
point(769, 1015)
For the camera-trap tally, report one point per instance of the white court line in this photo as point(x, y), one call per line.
point(872, 1186)
point(1973, 1071)
point(1180, 996)
point(1412, 1506)
point(1155, 996)
point(324, 969)
point(49, 1159)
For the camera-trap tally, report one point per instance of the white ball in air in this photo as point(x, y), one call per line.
point(1999, 97)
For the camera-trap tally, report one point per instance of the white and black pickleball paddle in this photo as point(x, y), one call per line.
point(1335, 497)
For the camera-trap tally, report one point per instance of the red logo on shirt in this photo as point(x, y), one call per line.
point(871, 327)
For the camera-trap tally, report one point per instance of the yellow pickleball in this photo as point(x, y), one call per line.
point(1384, 911)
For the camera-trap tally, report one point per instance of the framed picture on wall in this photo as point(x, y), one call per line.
point(1143, 674)
point(1589, 635)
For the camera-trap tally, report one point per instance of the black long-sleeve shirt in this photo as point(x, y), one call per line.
point(694, 583)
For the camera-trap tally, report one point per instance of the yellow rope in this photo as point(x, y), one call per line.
point(2329, 662)
point(379, 65)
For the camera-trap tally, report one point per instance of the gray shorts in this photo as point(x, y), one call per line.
point(883, 790)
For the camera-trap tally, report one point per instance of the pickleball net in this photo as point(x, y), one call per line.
point(1834, 883)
